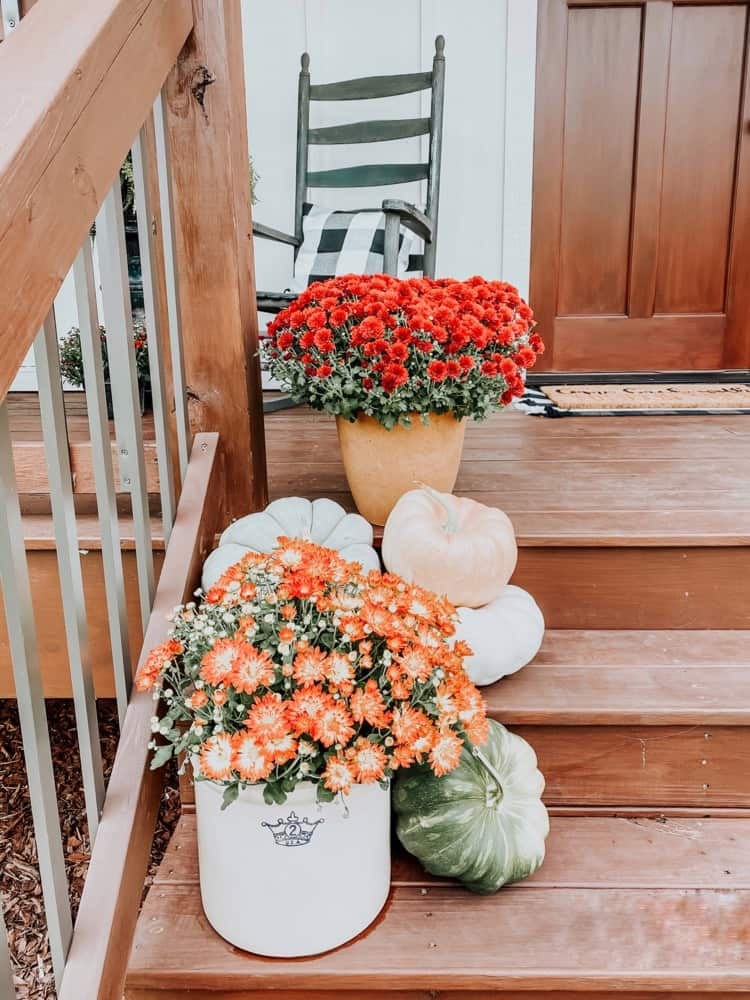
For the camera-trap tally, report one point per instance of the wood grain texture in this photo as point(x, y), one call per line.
point(641, 588)
point(696, 766)
point(671, 852)
point(601, 96)
point(737, 341)
point(208, 145)
point(647, 180)
point(31, 467)
point(603, 481)
point(108, 911)
point(637, 522)
point(546, 195)
point(47, 603)
point(628, 168)
point(364, 994)
point(62, 143)
point(441, 938)
point(705, 71)
point(629, 678)
point(654, 343)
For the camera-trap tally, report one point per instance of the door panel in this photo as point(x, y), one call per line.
point(601, 95)
point(705, 77)
point(640, 236)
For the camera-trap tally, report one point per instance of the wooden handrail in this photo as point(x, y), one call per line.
point(66, 129)
point(99, 953)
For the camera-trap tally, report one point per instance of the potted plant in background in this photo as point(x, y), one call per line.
point(71, 364)
point(298, 686)
point(402, 365)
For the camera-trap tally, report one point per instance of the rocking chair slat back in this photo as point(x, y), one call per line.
point(369, 175)
point(375, 131)
point(368, 87)
point(380, 130)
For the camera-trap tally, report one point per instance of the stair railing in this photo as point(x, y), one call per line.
point(100, 86)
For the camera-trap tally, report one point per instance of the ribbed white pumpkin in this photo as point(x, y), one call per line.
point(322, 521)
point(504, 635)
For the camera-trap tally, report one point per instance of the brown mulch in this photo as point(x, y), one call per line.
point(20, 885)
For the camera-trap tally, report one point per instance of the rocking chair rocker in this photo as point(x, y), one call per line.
point(397, 213)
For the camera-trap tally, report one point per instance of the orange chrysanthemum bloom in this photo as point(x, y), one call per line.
point(216, 757)
point(367, 760)
point(339, 671)
point(445, 754)
point(352, 628)
point(416, 663)
point(156, 663)
point(282, 750)
point(267, 719)
point(218, 663)
point(198, 699)
point(309, 666)
point(367, 705)
point(338, 776)
point(252, 670)
point(305, 707)
point(248, 758)
point(333, 725)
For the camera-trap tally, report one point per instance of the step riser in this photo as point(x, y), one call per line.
point(638, 588)
point(658, 766)
point(45, 590)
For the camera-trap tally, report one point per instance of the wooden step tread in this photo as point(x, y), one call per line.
point(39, 532)
point(621, 904)
point(601, 677)
point(603, 482)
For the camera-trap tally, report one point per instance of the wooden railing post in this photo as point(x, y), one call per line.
point(207, 127)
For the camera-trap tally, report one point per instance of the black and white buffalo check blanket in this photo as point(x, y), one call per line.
point(335, 243)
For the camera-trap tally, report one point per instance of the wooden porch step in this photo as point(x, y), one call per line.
point(649, 907)
point(635, 718)
point(622, 522)
point(39, 540)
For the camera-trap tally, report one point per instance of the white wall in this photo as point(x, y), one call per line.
point(485, 203)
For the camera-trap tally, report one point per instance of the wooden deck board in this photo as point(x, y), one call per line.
point(615, 678)
point(577, 924)
point(588, 481)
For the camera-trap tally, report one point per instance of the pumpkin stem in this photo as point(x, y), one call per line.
point(489, 768)
point(451, 523)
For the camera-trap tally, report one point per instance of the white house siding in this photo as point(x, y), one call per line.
point(485, 203)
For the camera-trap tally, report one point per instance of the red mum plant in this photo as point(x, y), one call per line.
point(296, 666)
point(389, 348)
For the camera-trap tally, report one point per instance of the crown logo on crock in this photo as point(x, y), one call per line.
point(292, 831)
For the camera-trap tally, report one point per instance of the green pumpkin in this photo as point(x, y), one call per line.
point(484, 823)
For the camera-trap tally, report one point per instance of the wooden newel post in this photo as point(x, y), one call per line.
point(207, 127)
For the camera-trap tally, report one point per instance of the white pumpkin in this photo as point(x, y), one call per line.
point(322, 521)
point(505, 635)
point(454, 546)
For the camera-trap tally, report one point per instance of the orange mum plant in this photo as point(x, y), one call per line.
point(296, 666)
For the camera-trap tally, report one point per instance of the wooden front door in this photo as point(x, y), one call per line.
point(640, 255)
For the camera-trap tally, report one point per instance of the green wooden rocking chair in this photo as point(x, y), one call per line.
point(397, 213)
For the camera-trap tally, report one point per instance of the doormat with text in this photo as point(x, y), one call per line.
point(640, 399)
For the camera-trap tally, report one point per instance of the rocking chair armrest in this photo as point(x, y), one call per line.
point(267, 233)
point(410, 217)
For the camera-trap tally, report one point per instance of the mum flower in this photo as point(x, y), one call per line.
point(372, 684)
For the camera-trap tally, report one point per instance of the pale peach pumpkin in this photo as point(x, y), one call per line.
point(451, 545)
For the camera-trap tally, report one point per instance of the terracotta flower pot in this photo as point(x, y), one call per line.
point(382, 465)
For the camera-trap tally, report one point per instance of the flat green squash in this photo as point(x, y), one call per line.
point(484, 823)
